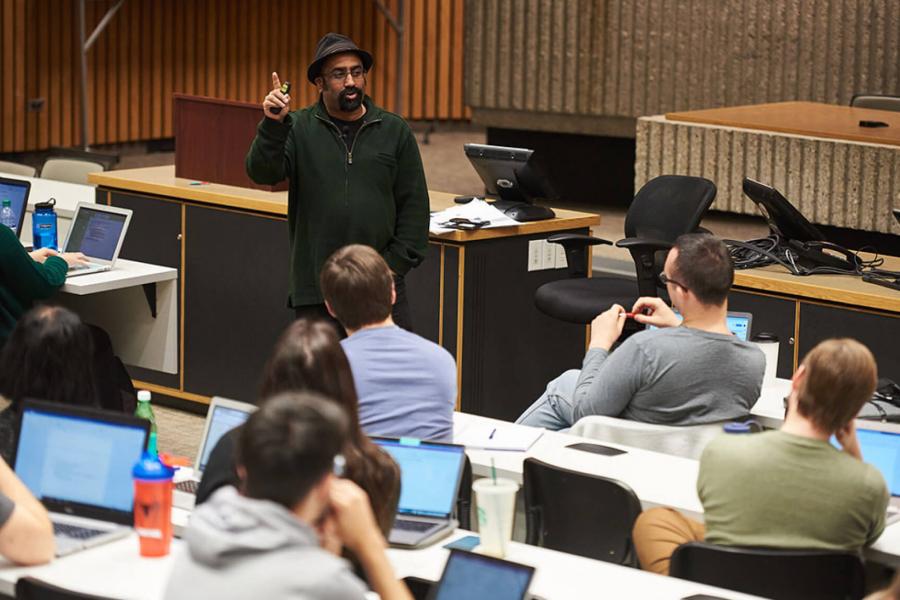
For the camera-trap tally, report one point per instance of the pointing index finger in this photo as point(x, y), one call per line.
point(276, 82)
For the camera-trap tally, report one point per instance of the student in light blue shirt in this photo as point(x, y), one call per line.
point(405, 383)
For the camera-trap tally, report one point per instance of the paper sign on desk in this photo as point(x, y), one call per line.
point(487, 436)
point(475, 210)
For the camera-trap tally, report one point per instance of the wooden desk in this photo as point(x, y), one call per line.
point(803, 311)
point(802, 118)
point(473, 294)
point(832, 170)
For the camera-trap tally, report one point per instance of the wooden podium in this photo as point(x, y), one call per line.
point(212, 137)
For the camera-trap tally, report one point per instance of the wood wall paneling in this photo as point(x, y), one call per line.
point(221, 48)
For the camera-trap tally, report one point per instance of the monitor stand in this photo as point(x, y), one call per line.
point(523, 211)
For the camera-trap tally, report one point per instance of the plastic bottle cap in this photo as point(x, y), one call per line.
point(143, 396)
point(737, 428)
point(150, 467)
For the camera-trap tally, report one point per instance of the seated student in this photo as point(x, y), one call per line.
point(26, 534)
point(687, 372)
point(406, 384)
point(280, 535)
point(789, 488)
point(46, 358)
point(309, 357)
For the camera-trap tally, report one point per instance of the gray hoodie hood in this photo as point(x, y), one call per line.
point(229, 527)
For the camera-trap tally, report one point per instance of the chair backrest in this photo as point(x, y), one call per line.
point(69, 169)
point(579, 513)
point(683, 440)
point(464, 497)
point(16, 169)
point(875, 101)
point(665, 208)
point(777, 574)
point(29, 588)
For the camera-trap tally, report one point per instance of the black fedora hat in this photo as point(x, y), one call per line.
point(331, 44)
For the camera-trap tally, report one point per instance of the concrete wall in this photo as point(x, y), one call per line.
point(591, 66)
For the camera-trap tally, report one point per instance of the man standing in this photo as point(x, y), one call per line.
point(355, 170)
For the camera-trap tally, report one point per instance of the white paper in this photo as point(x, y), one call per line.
point(476, 209)
point(487, 436)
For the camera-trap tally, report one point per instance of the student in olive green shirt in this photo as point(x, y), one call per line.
point(789, 488)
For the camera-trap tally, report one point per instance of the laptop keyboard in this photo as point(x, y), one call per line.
point(75, 531)
point(190, 486)
point(417, 526)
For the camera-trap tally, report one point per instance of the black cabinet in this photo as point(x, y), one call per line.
point(770, 315)
point(236, 286)
point(153, 236)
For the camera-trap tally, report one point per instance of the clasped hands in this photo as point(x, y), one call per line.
point(607, 326)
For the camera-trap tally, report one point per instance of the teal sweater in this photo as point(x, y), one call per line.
point(24, 281)
point(373, 193)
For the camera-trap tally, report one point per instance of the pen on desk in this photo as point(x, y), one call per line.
point(490, 437)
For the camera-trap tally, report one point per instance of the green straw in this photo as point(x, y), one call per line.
point(493, 471)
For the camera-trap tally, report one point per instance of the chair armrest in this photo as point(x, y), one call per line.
point(574, 240)
point(641, 243)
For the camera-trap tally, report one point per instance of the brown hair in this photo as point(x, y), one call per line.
point(841, 375)
point(704, 266)
point(308, 357)
point(356, 283)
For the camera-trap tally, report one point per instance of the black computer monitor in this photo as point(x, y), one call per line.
point(780, 214)
point(897, 214)
point(513, 175)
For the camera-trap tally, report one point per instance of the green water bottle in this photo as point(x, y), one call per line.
point(145, 411)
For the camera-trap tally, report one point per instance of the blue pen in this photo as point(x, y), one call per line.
point(490, 437)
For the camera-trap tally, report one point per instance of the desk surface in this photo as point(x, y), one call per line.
point(125, 274)
point(162, 181)
point(802, 118)
point(842, 289)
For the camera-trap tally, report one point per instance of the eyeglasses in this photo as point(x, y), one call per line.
point(664, 279)
point(341, 74)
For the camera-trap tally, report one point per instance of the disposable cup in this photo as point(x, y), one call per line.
point(496, 502)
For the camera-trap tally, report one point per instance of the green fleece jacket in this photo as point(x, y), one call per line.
point(373, 193)
point(24, 281)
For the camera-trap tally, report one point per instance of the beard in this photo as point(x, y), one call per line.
point(350, 105)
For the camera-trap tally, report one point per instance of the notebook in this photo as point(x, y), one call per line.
point(97, 231)
point(429, 485)
point(223, 416)
point(77, 462)
point(468, 575)
point(17, 191)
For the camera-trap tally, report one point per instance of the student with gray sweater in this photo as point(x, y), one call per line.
point(281, 534)
point(686, 372)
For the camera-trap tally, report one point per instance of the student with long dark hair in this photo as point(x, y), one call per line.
point(47, 357)
point(308, 357)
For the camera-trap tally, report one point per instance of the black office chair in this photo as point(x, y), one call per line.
point(666, 207)
point(578, 513)
point(464, 498)
point(777, 574)
point(29, 588)
point(876, 101)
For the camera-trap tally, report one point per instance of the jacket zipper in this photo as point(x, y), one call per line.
point(340, 137)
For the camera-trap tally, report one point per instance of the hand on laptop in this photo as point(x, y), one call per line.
point(41, 254)
point(607, 327)
point(74, 258)
point(654, 311)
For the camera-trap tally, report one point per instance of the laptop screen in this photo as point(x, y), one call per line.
point(95, 233)
point(739, 325)
point(17, 193)
point(469, 575)
point(881, 449)
point(222, 420)
point(429, 476)
point(74, 459)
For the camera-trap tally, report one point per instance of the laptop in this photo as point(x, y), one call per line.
point(880, 447)
point(223, 416)
point(77, 462)
point(468, 575)
point(739, 324)
point(17, 191)
point(429, 484)
point(97, 231)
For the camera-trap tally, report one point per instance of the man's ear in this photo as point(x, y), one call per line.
point(320, 84)
point(329, 309)
point(393, 292)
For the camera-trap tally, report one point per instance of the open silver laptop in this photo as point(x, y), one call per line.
point(223, 416)
point(429, 484)
point(880, 447)
point(97, 231)
point(78, 463)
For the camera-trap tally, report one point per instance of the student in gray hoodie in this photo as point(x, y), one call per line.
point(280, 536)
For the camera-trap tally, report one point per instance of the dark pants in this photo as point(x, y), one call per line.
point(400, 313)
point(114, 388)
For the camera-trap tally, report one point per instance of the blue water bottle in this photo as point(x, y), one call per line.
point(43, 225)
